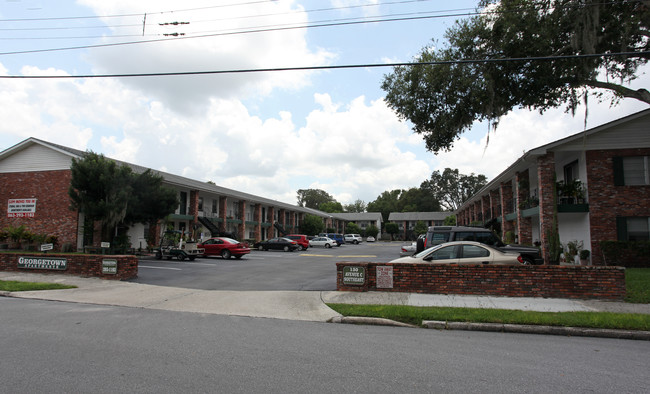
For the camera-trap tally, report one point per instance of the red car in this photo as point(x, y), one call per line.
point(224, 247)
point(301, 240)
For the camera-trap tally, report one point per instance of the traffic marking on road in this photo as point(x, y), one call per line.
point(159, 268)
point(341, 256)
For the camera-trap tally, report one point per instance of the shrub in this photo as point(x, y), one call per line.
point(626, 253)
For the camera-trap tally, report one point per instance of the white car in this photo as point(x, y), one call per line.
point(408, 250)
point(352, 238)
point(370, 239)
point(322, 241)
point(463, 252)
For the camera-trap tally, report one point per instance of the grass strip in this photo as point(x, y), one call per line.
point(11, 285)
point(415, 315)
point(637, 285)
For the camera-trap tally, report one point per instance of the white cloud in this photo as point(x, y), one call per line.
point(191, 94)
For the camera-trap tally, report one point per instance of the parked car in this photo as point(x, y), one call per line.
point(370, 239)
point(337, 237)
point(322, 241)
point(408, 250)
point(224, 247)
point(301, 240)
point(463, 252)
point(280, 243)
point(440, 234)
point(352, 238)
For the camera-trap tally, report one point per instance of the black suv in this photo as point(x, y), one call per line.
point(440, 234)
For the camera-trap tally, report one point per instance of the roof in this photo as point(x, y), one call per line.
point(359, 216)
point(417, 216)
point(581, 137)
point(168, 178)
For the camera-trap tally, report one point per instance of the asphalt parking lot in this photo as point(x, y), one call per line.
point(310, 270)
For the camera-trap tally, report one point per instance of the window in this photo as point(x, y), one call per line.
point(200, 204)
point(445, 253)
point(632, 170)
point(183, 206)
point(214, 205)
point(571, 172)
point(487, 238)
point(633, 228)
point(472, 251)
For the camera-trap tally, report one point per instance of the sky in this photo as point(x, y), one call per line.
point(266, 133)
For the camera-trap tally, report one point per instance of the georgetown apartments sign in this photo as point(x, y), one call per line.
point(43, 263)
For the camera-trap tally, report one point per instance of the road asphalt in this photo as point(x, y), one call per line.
point(311, 305)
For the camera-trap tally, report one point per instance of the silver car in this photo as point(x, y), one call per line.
point(322, 241)
point(463, 252)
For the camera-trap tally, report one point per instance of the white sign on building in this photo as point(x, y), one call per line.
point(21, 208)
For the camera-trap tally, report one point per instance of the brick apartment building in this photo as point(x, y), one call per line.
point(35, 176)
point(596, 181)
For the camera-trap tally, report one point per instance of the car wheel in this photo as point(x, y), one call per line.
point(527, 260)
point(286, 248)
point(328, 246)
point(260, 247)
point(300, 248)
point(158, 255)
point(180, 257)
point(356, 242)
point(225, 254)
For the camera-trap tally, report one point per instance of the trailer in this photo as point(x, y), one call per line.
point(172, 245)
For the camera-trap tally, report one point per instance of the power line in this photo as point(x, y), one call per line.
point(263, 30)
point(335, 67)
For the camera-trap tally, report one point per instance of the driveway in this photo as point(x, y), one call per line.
point(310, 270)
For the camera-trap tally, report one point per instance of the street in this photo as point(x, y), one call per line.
point(66, 347)
point(311, 270)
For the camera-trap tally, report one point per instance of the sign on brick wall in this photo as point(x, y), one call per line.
point(21, 208)
point(385, 277)
point(354, 275)
point(42, 263)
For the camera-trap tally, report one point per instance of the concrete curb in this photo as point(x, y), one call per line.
point(375, 321)
point(543, 330)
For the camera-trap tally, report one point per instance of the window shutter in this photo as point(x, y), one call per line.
point(619, 174)
point(621, 228)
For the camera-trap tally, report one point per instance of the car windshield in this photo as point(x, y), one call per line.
point(425, 252)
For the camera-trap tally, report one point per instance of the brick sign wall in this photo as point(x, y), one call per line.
point(509, 281)
point(99, 266)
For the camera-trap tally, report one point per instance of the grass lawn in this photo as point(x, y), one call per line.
point(11, 285)
point(637, 281)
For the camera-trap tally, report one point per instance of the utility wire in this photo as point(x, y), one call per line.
point(264, 30)
point(335, 67)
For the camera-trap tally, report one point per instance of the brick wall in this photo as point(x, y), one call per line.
point(511, 281)
point(607, 201)
point(53, 215)
point(78, 264)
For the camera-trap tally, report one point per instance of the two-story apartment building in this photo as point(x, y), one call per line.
point(590, 187)
point(406, 221)
point(39, 172)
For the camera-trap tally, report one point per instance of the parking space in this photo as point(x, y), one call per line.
point(310, 270)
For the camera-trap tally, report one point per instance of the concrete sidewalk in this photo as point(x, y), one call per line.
point(290, 305)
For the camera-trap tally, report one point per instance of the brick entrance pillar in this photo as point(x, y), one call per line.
point(257, 217)
point(271, 219)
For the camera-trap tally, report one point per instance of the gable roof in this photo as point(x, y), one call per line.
point(575, 142)
point(418, 216)
point(168, 178)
